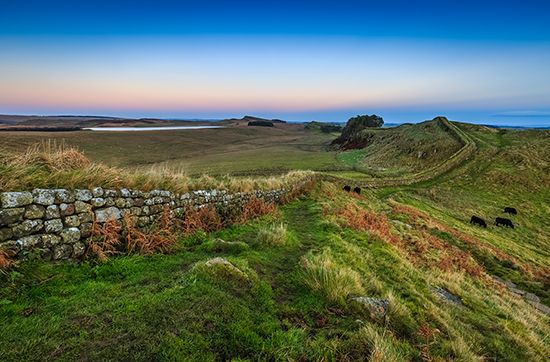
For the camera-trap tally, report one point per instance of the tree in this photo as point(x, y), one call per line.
point(358, 123)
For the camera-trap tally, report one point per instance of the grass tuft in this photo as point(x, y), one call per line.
point(323, 275)
point(274, 234)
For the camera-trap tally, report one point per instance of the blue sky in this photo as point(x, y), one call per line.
point(483, 61)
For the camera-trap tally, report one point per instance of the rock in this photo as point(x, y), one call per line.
point(53, 226)
point(138, 202)
point(15, 199)
point(224, 268)
point(509, 284)
point(109, 201)
point(125, 193)
point(11, 216)
point(97, 192)
point(27, 227)
point(541, 307)
point(81, 206)
point(86, 217)
point(50, 240)
point(78, 249)
point(120, 202)
point(532, 297)
point(136, 211)
point(447, 296)
point(86, 230)
point(52, 212)
point(517, 291)
point(109, 193)
point(5, 234)
point(62, 251)
point(63, 196)
point(378, 307)
point(35, 212)
point(28, 242)
point(103, 215)
point(66, 209)
point(98, 202)
point(44, 197)
point(145, 210)
point(72, 221)
point(70, 235)
point(83, 195)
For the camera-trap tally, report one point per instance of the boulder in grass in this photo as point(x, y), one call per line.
point(377, 307)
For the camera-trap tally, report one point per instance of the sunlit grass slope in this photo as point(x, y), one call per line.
point(286, 295)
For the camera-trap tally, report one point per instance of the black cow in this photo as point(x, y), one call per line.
point(357, 190)
point(510, 210)
point(479, 221)
point(347, 188)
point(503, 221)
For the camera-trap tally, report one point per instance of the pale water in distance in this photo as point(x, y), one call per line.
point(126, 129)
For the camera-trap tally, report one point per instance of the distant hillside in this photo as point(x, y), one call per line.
point(399, 150)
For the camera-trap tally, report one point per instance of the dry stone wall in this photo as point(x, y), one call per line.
point(57, 222)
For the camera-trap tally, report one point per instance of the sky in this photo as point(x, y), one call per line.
point(408, 61)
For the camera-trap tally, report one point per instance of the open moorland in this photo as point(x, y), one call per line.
point(394, 273)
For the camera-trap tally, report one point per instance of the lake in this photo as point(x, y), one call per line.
point(132, 129)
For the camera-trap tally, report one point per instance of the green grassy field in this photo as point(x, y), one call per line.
point(288, 294)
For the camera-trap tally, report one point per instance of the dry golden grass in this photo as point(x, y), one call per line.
point(335, 282)
point(274, 234)
point(52, 164)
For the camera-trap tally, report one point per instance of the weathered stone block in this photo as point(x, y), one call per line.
point(138, 202)
point(63, 196)
point(156, 209)
point(11, 216)
point(50, 240)
point(97, 192)
point(15, 199)
point(27, 242)
point(35, 212)
point(83, 195)
point(149, 202)
point(27, 227)
point(72, 221)
point(53, 226)
point(62, 251)
point(66, 209)
point(52, 212)
point(110, 193)
point(5, 234)
point(81, 206)
point(109, 201)
point(102, 215)
point(145, 210)
point(78, 249)
point(85, 230)
point(120, 202)
point(143, 221)
point(136, 211)
point(98, 202)
point(44, 197)
point(70, 235)
point(86, 217)
point(125, 193)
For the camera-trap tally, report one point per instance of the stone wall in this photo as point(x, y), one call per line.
point(57, 222)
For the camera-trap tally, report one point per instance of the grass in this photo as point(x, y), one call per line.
point(271, 302)
point(275, 234)
point(289, 300)
point(58, 165)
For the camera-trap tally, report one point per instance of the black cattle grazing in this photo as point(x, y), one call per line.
point(477, 220)
point(357, 190)
point(503, 221)
point(510, 210)
point(347, 188)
